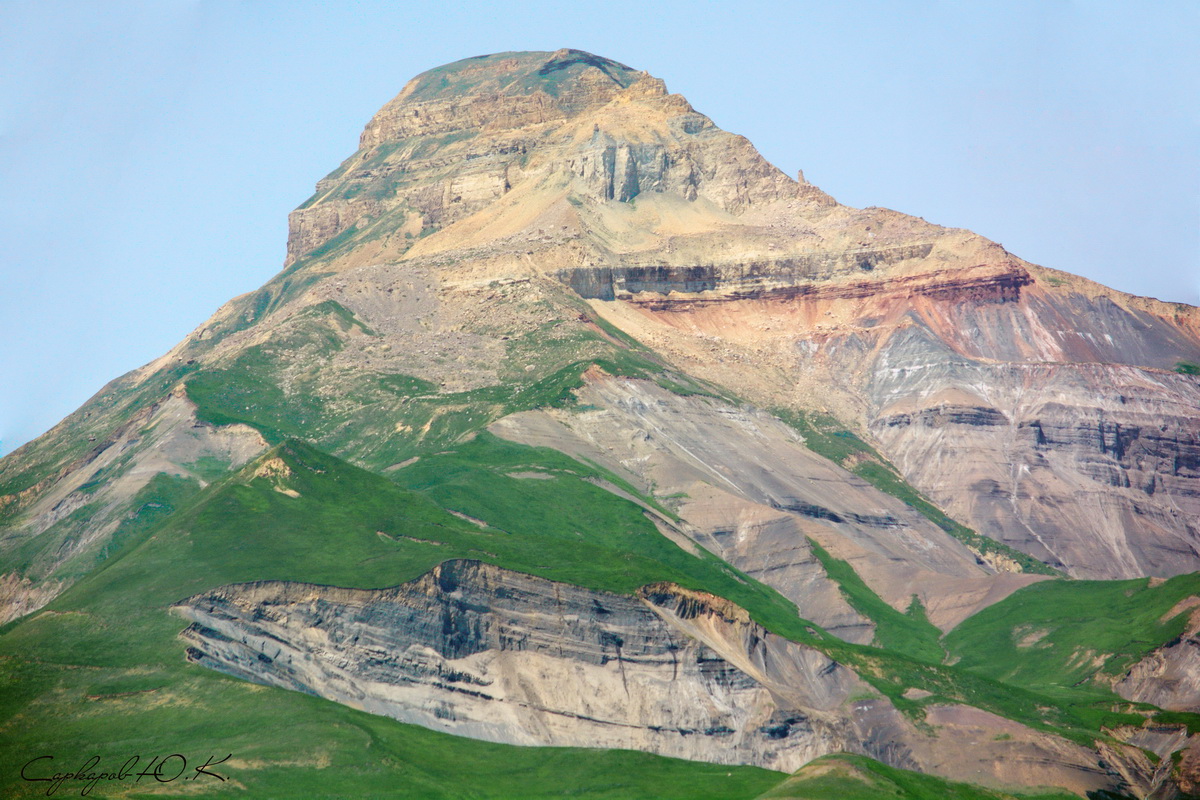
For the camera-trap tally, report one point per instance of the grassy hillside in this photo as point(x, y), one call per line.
point(852, 777)
point(100, 671)
point(301, 385)
point(911, 633)
point(1070, 640)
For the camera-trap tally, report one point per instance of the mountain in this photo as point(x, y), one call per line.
point(571, 421)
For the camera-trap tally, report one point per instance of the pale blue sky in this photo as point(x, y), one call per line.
point(150, 153)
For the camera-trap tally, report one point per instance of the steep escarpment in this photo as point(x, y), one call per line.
point(1092, 468)
point(483, 652)
point(797, 275)
point(528, 130)
point(497, 655)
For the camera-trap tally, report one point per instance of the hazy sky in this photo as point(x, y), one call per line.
point(150, 153)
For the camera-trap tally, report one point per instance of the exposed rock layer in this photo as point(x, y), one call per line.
point(1043, 419)
point(483, 652)
point(496, 655)
point(449, 254)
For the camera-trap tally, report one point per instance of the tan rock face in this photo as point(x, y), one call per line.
point(986, 379)
point(1034, 406)
point(482, 652)
point(545, 125)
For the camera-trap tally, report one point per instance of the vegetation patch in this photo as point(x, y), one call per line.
point(101, 670)
point(1088, 632)
point(292, 387)
point(1071, 640)
point(111, 633)
point(911, 633)
point(844, 776)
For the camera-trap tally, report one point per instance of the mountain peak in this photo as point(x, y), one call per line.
point(518, 73)
point(505, 89)
point(506, 139)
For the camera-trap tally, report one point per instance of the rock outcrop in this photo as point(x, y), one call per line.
point(484, 652)
point(1169, 677)
point(460, 137)
point(1046, 416)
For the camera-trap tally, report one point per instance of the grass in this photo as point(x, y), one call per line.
point(40, 556)
point(1070, 640)
point(826, 436)
point(100, 670)
point(1064, 633)
point(70, 669)
point(602, 546)
point(853, 777)
point(568, 529)
point(1187, 368)
point(325, 750)
point(911, 634)
point(291, 388)
point(209, 468)
point(344, 317)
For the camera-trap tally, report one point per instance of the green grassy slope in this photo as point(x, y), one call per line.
point(911, 633)
point(1059, 633)
point(100, 671)
point(294, 387)
point(1071, 639)
point(291, 745)
point(852, 777)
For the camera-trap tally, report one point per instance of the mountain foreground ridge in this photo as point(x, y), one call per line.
point(571, 421)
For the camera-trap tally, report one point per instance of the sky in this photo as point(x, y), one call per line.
point(150, 152)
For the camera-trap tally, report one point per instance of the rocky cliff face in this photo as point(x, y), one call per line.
point(461, 137)
point(483, 652)
point(993, 384)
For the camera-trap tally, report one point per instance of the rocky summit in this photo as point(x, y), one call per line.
point(572, 422)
